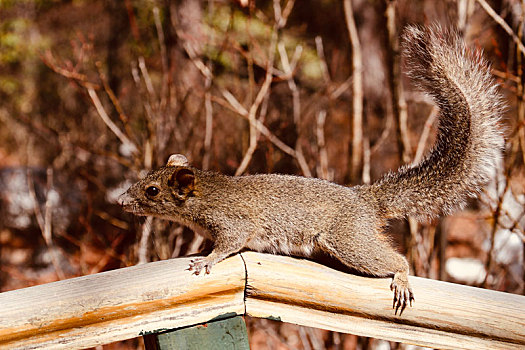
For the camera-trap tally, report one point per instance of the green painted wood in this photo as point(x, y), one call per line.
point(223, 334)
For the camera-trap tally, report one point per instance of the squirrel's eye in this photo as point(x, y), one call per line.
point(152, 191)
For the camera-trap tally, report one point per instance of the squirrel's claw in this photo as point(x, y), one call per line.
point(402, 293)
point(198, 264)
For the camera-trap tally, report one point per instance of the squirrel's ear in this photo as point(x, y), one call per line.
point(177, 160)
point(184, 179)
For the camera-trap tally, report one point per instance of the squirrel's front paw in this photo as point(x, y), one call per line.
point(198, 264)
point(402, 292)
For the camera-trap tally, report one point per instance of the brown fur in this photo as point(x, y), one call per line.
point(289, 214)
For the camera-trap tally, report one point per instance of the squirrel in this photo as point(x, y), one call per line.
point(297, 215)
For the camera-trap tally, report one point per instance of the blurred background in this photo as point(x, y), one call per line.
point(95, 93)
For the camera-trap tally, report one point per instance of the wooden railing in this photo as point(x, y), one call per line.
point(130, 302)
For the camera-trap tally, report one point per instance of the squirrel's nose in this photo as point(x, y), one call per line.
point(124, 199)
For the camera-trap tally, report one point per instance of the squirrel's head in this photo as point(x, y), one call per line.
point(163, 191)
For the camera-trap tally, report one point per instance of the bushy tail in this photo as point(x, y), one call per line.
point(469, 141)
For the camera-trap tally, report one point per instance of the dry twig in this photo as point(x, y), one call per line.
point(296, 103)
point(497, 18)
point(144, 240)
point(45, 220)
point(399, 106)
point(423, 139)
point(322, 169)
point(357, 90)
point(107, 120)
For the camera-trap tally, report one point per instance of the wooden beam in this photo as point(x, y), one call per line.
point(444, 315)
point(126, 303)
point(121, 304)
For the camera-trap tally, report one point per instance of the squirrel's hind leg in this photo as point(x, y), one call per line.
point(370, 253)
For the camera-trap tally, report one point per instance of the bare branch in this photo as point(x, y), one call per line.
point(497, 18)
point(296, 103)
point(109, 123)
point(320, 54)
point(45, 220)
point(236, 107)
point(322, 169)
point(147, 79)
point(399, 106)
point(341, 88)
point(262, 92)
point(163, 54)
point(144, 240)
point(384, 134)
point(366, 160)
point(424, 135)
point(281, 16)
point(357, 90)
point(114, 100)
point(208, 108)
point(51, 62)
